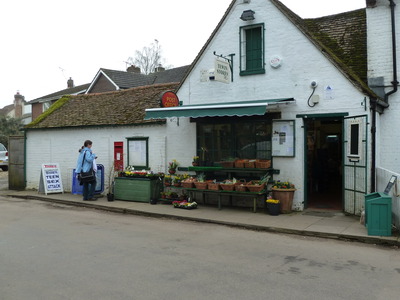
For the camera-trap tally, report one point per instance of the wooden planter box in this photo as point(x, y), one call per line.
point(137, 189)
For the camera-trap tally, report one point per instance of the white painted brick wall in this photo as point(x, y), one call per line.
point(380, 64)
point(61, 146)
point(302, 63)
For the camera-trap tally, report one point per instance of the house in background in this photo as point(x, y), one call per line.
point(111, 80)
point(107, 80)
point(19, 109)
point(41, 104)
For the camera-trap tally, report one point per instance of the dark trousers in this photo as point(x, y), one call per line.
point(88, 190)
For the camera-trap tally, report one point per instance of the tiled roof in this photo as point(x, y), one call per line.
point(346, 35)
point(126, 80)
point(57, 95)
point(341, 38)
point(171, 75)
point(126, 107)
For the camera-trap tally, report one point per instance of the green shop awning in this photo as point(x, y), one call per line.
point(243, 108)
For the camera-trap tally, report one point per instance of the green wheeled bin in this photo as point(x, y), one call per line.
point(378, 214)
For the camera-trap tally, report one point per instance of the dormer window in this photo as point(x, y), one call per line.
point(252, 49)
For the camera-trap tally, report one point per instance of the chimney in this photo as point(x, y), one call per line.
point(18, 104)
point(133, 69)
point(70, 83)
point(160, 68)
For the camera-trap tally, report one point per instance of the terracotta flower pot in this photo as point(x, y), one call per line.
point(286, 199)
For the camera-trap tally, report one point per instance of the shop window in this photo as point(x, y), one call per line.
point(252, 50)
point(138, 152)
point(234, 138)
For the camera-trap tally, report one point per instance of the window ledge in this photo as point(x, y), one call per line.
point(252, 72)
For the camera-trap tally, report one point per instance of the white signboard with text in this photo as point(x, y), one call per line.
point(50, 179)
point(222, 70)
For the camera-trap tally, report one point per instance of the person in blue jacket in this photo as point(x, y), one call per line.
point(87, 156)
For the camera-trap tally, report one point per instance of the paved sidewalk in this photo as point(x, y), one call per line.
point(325, 224)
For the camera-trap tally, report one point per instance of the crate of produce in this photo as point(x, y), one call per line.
point(255, 187)
point(263, 164)
point(239, 163)
point(214, 186)
point(201, 185)
point(241, 187)
point(227, 186)
point(227, 164)
point(188, 184)
point(251, 163)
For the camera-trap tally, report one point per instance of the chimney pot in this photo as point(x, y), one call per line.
point(70, 83)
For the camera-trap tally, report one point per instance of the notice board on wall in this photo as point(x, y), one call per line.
point(50, 179)
point(283, 138)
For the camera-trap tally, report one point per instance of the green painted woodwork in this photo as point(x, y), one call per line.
point(136, 189)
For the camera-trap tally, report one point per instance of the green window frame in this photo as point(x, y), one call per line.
point(138, 152)
point(252, 57)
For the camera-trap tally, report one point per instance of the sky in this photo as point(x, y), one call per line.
point(45, 42)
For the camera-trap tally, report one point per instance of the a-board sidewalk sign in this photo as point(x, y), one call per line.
point(50, 179)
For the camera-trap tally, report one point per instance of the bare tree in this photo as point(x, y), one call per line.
point(148, 59)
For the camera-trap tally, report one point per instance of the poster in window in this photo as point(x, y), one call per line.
point(283, 138)
point(137, 152)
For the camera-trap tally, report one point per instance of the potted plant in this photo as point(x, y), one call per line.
point(172, 166)
point(273, 206)
point(284, 191)
point(178, 180)
point(195, 161)
point(167, 180)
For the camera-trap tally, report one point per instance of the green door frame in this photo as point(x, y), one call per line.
point(315, 117)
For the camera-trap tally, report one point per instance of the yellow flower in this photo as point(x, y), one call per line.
point(275, 201)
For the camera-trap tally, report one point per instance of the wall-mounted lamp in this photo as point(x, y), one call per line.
point(247, 15)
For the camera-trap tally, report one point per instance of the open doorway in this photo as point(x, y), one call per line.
point(324, 164)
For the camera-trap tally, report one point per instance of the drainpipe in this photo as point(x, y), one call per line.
point(373, 145)
point(394, 82)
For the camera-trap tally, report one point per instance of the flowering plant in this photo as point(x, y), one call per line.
point(270, 200)
point(178, 178)
point(168, 178)
point(184, 204)
point(195, 158)
point(173, 165)
point(142, 174)
point(283, 185)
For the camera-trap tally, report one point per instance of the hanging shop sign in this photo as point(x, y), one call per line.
point(169, 99)
point(222, 70)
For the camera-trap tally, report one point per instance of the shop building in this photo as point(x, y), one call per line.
point(270, 85)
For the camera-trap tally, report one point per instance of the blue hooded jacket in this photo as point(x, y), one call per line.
point(88, 163)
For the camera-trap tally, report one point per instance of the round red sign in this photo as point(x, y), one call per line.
point(169, 99)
